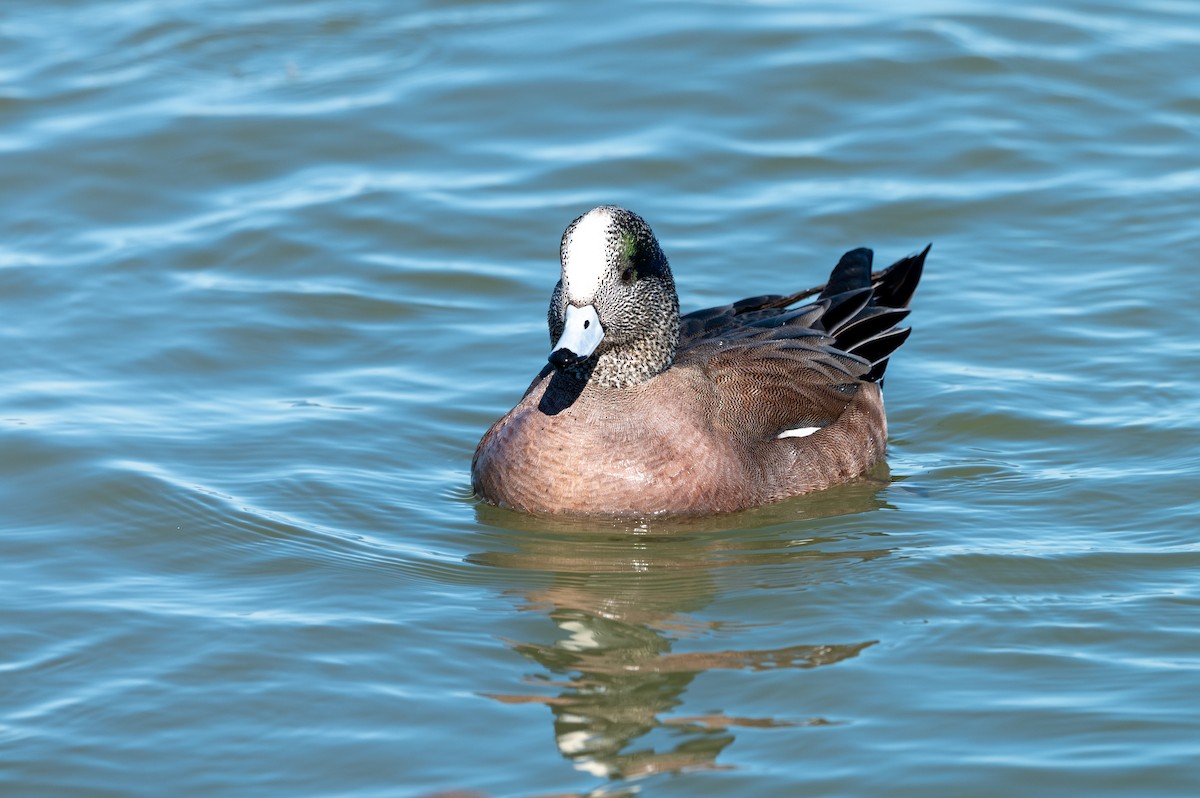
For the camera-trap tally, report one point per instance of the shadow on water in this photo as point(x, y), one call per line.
point(623, 597)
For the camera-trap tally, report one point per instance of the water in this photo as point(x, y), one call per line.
point(267, 272)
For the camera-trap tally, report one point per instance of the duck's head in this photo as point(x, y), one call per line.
point(614, 315)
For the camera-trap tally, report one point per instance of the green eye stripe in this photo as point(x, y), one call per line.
point(628, 245)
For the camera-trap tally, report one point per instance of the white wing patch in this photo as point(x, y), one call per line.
point(585, 258)
point(798, 432)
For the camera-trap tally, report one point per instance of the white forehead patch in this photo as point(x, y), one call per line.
point(585, 256)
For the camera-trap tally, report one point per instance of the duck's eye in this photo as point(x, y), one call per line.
point(628, 275)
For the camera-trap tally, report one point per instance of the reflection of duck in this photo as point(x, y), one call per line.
point(624, 678)
point(642, 412)
point(623, 606)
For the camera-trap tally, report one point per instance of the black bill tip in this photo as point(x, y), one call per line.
point(564, 358)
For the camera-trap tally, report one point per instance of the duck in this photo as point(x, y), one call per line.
point(642, 412)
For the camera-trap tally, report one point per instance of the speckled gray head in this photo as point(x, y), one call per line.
point(614, 315)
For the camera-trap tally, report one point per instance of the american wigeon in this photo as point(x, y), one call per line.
point(641, 412)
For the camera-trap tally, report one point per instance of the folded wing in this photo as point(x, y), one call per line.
point(785, 369)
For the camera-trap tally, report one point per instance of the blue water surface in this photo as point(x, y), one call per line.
point(268, 271)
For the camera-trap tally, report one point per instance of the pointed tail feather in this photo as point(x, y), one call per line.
point(864, 322)
point(894, 286)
